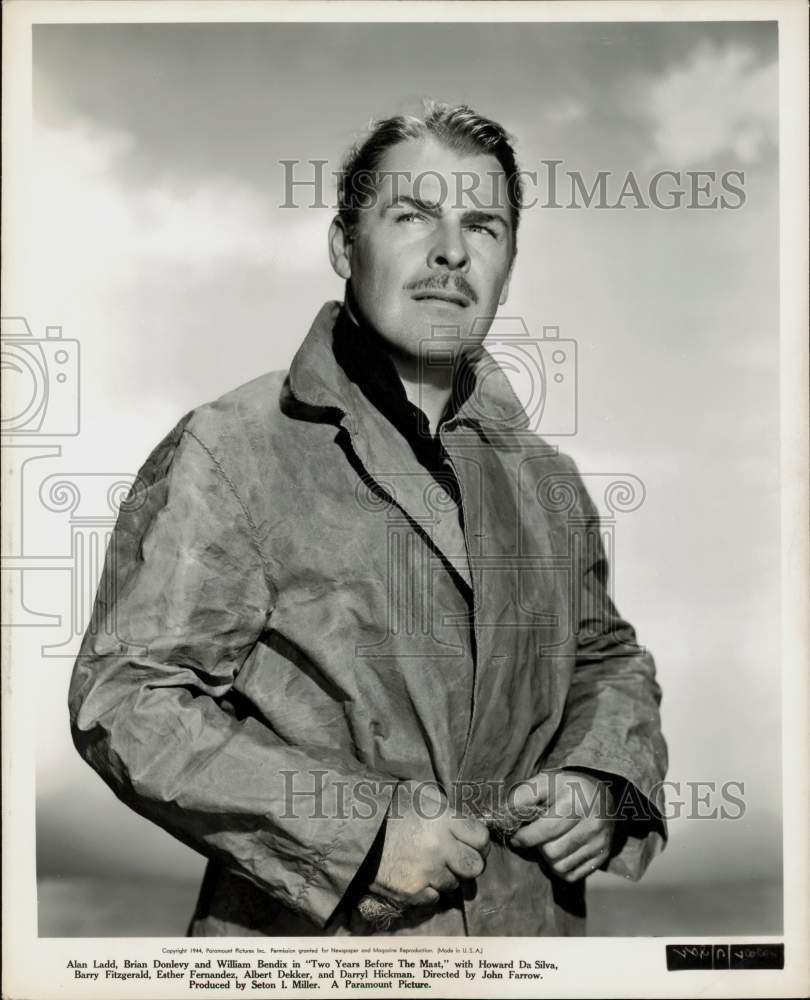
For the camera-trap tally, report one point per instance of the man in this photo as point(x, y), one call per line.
point(343, 603)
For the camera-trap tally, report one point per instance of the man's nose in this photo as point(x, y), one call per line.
point(449, 248)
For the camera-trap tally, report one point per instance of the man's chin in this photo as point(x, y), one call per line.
point(440, 323)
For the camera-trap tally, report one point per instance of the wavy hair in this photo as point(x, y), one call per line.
point(457, 127)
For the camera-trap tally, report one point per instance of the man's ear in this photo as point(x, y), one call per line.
point(340, 249)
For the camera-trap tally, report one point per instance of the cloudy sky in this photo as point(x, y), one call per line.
point(160, 245)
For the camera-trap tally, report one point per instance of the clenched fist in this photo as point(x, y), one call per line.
point(427, 850)
point(575, 834)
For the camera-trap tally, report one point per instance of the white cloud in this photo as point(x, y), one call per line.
point(92, 226)
point(720, 101)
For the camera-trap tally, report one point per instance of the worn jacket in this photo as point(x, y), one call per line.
point(294, 616)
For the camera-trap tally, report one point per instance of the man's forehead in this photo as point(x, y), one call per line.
point(429, 171)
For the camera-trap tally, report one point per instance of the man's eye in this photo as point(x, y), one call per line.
point(477, 227)
point(410, 217)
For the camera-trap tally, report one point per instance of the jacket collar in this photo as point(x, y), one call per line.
point(317, 380)
point(321, 390)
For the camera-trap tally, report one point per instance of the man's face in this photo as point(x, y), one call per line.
point(434, 249)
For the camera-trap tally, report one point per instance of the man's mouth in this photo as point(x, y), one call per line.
point(450, 289)
point(442, 295)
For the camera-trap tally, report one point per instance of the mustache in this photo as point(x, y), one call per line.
point(456, 282)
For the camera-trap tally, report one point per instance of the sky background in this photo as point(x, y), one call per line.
point(157, 241)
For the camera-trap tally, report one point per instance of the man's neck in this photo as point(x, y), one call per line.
point(429, 391)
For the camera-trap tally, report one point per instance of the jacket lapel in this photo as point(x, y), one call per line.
point(318, 381)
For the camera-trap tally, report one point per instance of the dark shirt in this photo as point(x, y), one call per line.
point(366, 362)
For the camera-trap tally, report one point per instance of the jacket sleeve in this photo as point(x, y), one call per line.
point(183, 600)
point(611, 724)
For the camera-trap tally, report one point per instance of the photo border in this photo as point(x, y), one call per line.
point(589, 967)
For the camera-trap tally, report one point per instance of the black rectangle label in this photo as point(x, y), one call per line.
point(725, 956)
point(757, 956)
point(689, 956)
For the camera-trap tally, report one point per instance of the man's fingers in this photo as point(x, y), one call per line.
point(576, 848)
point(568, 860)
point(466, 862)
point(541, 831)
point(472, 832)
point(586, 868)
point(428, 896)
point(530, 792)
point(446, 882)
point(580, 835)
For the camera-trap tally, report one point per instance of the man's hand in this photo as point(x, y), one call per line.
point(427, 850)
point(576, 832)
